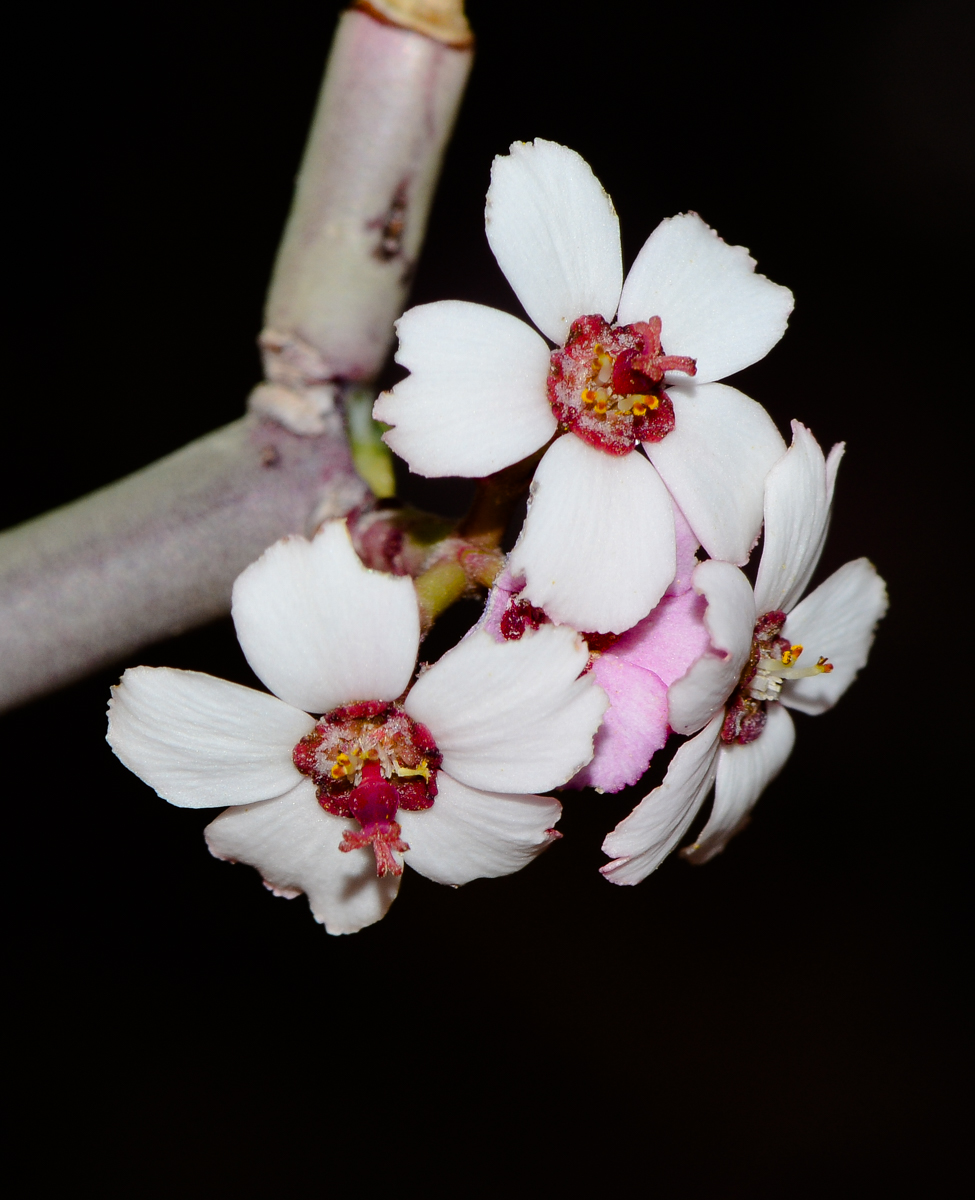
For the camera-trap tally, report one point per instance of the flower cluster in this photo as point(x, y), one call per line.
point(607, 631)
point(648, 460)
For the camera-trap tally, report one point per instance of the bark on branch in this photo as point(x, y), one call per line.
point(157, 552)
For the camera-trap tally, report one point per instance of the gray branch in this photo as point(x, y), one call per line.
point(157, 552)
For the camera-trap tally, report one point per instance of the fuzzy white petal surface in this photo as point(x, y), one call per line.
point(476, 398)
point(555, 234)
point(597, 549)
point(712, 305)
point(798, 495)
point(744, 772)
point(294, 844)
point(511, 716)
point(469, 834)
point(641, 841)
point(836, 621)
point(730, 620)
point(203, 742)
point(715, 461)
point(320, 629)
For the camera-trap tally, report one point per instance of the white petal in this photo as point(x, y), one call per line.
point(715, 461)
point(641, 842)
point(511, 716)
point(476, 399)
point(320, 629)
point(555, 234)
point(294, 844)
point(597, 549)
point(712, 305)
point(730, 618)
point(798, 495)
point(203, 742)
point(836, 621)
point(744, 772)
point(470, 834)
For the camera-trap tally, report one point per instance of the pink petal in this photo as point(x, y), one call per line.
point(320, 629)
point(633, 729)
point(555, 234)
point(294, 844)
point(470, 834)
point(713, 306)
point(640, 843)
point(744, 772)
point(688, 545)
point(203, 742)
point(668, 641)
point(476, 399)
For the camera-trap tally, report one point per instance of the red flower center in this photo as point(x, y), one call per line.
point(770, 661)
point(606, 383)
point(367, 761)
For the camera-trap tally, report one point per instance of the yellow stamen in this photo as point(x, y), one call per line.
point(601, 401)
point(340, 768)
point(824, 666)
point(639, 405)
point(588, 396)
point(422, 769)
point(604, 362)
point(789, 656)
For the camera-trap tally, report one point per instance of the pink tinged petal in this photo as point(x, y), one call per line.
point(688, 545)
point(294, 844)
point(504, 587)
point(798, 495)
point(511, 716)
point(713, 307)
point(320, 629)
point(476, 399)
point(744, 772)
point(470, 834)
point(633, 730)
point(715, 461)
point(668, 641)
point(836, 621)
point(640, 843)
point(203, 742)
point(555, 234)
point(597, 548)
point(730, 620)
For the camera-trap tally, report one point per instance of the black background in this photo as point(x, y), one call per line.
point(779, 1023)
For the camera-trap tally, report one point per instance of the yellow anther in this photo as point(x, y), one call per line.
point(600, 404)
point(340, 767)
point(789, 656)
point(422, 769)
point(639, 406)
point(653, 401)
point(588, 396)
point(824, 665)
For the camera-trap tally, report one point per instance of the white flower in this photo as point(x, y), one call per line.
point(485, 390)
point(738, 693)
point(331, 805)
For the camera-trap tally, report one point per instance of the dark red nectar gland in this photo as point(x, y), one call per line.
point(771, 661)
point(367, 761)
point(606, 383)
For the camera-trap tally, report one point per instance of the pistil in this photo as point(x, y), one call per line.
point(606, 384)
point(367, 761)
